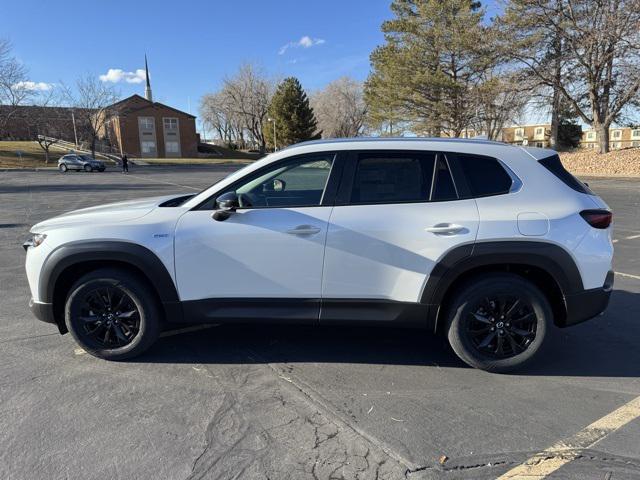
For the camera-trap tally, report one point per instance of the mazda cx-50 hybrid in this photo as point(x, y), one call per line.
point(489, 244)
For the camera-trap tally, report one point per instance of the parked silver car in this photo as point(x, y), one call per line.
point(78, 162)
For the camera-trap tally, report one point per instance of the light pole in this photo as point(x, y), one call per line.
point(275, 143)
point(75, 133)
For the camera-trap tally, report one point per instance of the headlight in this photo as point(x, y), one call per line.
point(35, 240)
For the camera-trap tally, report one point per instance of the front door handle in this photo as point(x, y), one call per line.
point(445, 229)
point(304, 230)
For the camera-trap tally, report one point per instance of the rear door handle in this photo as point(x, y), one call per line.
point(445, 229)
point(304, 230)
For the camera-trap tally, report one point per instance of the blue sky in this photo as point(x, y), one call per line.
point(192, 45)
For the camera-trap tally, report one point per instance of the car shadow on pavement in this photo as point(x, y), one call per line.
point(606, 346)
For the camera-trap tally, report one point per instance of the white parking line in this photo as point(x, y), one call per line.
point(632, 237)
point(548, 461)
point(628, 275)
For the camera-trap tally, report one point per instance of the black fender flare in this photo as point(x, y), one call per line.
point(143, 259)
point(551, 258)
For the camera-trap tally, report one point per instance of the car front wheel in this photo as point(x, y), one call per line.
point(88, 168)
point(63, 168)
point(498, 322)
point(111, 315)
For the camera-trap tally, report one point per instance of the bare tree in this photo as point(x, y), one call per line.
point(499, 101)
point(14, 86)
point(340, 108)
point(238, 111)
point(91, 100)
point(248, 95)
point(599, 42)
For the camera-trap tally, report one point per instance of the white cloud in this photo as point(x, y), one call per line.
point(304, 42)
point(35, 86)
point(115, 75)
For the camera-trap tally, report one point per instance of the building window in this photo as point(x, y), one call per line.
point(635, 133)
point(591, 136)
point(519, 133)
point(617, 133)
point(172, 147)
point(170, 123)
point(146, 122)
point(148, 147)
point(635, 144)
point(615, 145)
point(539, 131)
point(539, 144)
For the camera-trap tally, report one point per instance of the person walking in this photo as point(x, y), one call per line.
point(125, 164)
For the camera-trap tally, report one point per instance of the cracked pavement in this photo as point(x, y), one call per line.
point(278, 402)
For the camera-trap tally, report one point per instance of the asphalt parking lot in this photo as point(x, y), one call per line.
point(302, 403)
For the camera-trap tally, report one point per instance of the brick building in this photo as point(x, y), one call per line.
point(143, 128)
point(26, 122)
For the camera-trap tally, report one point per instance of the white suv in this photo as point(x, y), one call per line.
point(489, 244)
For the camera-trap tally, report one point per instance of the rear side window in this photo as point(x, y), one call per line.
point(392, 177)
point(484, 175)
point(554, 165)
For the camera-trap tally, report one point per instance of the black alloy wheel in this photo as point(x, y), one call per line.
point(113, 313)
point(498, 322)
point(502, 326)
point(109, 316)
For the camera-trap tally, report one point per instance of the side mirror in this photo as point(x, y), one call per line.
point(226, 204)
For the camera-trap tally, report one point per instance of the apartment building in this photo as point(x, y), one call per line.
point(619, 137)
point(529, 135)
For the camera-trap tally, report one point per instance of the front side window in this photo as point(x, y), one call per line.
point(392, 178)
point(484, 175)
point(300, 183)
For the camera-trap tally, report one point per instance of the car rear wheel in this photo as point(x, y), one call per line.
point(63, 168)
point(111, 315)
point(88, 168)
point(498, 322)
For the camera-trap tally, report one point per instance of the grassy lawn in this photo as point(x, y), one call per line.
point(32, 155)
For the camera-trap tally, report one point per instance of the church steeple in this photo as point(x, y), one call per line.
point(147, 88)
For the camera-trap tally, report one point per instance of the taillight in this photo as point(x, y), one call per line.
point(597, 218)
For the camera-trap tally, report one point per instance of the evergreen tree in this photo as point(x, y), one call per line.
point(294, 117)
point(434, 56)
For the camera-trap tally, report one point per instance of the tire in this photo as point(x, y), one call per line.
point(130, 334)
point(63, 168)
point(519, 329)
point(88, 168)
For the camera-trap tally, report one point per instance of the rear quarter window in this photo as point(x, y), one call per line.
point(554, 165)
point(485, 175)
